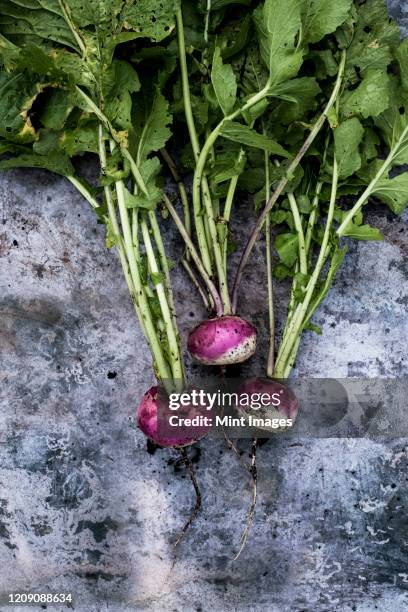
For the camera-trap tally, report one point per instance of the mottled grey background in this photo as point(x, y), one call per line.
point(85, 509)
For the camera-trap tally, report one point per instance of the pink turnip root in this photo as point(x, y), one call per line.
point(154, 403)
point(222, 341)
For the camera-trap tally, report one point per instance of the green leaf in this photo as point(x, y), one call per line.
point(224, 83)
point(371, 97)
point(82, 139)
point(394, 192)
point(347, 139)
point(321, 17)
point(55, 162)
point(325, 64)
point(119, 81)
point(234, 36)
point(57, 106)
point(287, 247)
point(277, 23)
point(314, 328)
point(304, 204)
point(152, 19)
point(375, 36)
point(149, 169)
point(151, 119)
point(363, 232)
point(402, 58)
point(18, 93)
point(323, 288)
point(281, 272)
point(148, 202)
point(227, 166)
point(44, 20)
point(111, 238)
point(300, 97)
point(370, 144)
point(237, 132)
point(392, 124)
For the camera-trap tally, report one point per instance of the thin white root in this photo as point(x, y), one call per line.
point(251, 510)
point(197, 507)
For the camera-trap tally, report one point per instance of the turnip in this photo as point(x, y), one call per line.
point(155, 404)
point(283, 402)
point(222, 341)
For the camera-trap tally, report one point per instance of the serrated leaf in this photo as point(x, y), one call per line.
point(321, 17)
point(347, 139)
point(151, 119)
point(119, 81)
point(237, 132)
point(149, 169)
point(224, 83)
point(277, 23)
point(323, 288)
point(394, 192)
point(287, 247)
point(152, 19)
point(375, 36)
point(148, 202)
point(371, 97)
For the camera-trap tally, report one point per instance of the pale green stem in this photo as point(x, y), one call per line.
point(131, 270)
point(227, 215)
point(371, 187)
point(207, 20)
point(186, 265)
point(167, 281)
point(297, 321)
point(228, 206)
point(175, 360)
point(84, 191)
point(72, 27)
point(299, 230)
point(282, 184)
point(182, 191)
point(312, 218)
point(200, 181)
point(195, 256)
point(198, 219)
point(161, 363)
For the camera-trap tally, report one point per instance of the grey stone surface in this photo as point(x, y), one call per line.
point(85, 509)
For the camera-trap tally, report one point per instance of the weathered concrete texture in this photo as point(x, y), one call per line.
point(84, 508)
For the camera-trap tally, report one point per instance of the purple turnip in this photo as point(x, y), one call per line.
point(222, 341)
point(154, 404)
